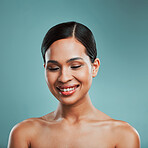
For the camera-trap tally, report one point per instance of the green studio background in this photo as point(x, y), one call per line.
point(120, 28)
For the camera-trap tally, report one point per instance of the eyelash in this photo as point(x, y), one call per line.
point(75, 67)
point(52, 69)
point(55, 69)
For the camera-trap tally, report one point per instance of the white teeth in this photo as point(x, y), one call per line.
point(68, 89)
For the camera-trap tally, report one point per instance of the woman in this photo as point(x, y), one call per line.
point(69, 53)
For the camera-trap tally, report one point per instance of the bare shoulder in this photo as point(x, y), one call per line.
point(126, 135)
point(121, 132)
point(29, 124)
point(21, 133)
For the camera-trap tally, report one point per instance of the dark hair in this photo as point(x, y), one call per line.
point(71, 29)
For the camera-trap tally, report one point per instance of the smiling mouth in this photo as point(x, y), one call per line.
point(67, 90)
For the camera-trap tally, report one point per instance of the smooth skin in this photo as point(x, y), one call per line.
point(76, 123)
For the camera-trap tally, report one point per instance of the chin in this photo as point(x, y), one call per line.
point(68, 100)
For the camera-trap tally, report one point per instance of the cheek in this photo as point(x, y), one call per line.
point(85, 76)
point(50, 78)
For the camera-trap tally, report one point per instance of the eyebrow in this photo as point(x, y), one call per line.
point(72, 59)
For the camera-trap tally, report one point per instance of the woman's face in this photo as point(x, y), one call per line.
point(68, 70)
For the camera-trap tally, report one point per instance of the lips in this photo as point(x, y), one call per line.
point(67, 90)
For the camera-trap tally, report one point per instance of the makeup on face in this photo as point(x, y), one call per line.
point(67, 89)
point(68, 70)
point(73, 63)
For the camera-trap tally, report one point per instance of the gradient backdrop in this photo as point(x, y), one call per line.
point(120, 28)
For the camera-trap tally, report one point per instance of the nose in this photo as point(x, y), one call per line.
point(64, 76)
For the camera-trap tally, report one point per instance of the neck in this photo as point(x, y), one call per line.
point(83, 109)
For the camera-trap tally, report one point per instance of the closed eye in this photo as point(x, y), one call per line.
point(52, 69)
point(75, 67)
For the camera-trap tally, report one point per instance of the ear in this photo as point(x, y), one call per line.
point(95, 67)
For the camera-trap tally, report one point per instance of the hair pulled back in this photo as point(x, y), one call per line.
point(71, 29)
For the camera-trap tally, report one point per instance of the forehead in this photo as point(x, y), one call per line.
point(65, 49)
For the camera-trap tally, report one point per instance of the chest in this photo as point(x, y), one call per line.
point(90, 138)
